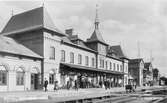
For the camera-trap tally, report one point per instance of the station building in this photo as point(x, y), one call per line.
point(34, 49)
point(136, 68)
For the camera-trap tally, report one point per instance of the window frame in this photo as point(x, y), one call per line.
point(79, 59)
point(51, 78)
point(52, 53)
point(63, 56)
point(110, 65)
point(106, 64)
point(86, 60)
point(72, 57)
point(93, 62)
point(20, 77)
point(114, 66)
point(117, 67)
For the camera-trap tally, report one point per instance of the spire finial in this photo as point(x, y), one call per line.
point(96, 18)
point(43, 3)
point(138, 47)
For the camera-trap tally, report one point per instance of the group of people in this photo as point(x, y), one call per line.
point(83, 82)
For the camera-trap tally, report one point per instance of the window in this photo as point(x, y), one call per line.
point(121, 68)
point(19, 76)
point(79, 59)
point(86, 60)
point(71, 57)
point(126, 69)
point(110, 65)
point(62, 55)
point(3, 75)
point(106, 65)
point(51, 78)
point(114, 66)
point(101, 63)
point(52, 53)
point(93, 62)
point(117, 67)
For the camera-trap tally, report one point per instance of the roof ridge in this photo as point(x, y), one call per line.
point(28, 11)
point(29, 19)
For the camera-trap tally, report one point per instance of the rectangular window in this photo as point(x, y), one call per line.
point(86, 60)
point(62, 56)
point(106, 65)
point(52, 53)
point(102, 63)
point(93, 62)
point(117, 67)
point(121, 68)
point(79, 59)
point(114, 66)
point(51, 78)
point(110, 65)
point(71, 57)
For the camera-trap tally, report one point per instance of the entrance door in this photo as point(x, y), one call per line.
point(34, 81)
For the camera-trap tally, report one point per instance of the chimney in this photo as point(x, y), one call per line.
point(69, 32)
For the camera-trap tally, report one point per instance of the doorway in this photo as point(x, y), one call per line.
point(34, 81)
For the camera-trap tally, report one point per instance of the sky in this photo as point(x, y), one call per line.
point(139, 26)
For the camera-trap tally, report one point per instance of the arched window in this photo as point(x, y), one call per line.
point(62, 55)
point(51, 77)
point(71, 57)
point(19, 76)
point(3, 75)
point(86, 60)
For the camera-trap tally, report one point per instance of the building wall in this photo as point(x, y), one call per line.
point(77, 51)
point(11, 63)
point(126, 71)
point(113, 61)
point(51, 65)
point(136, 71)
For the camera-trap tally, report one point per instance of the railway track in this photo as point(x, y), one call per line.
point(138, 97)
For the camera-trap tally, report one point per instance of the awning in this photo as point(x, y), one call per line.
point(90, 69)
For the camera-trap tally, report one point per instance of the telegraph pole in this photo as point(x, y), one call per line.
point(138, 48)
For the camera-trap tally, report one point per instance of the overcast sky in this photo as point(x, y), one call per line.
point(122, 22)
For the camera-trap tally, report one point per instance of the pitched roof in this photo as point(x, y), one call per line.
point(9, 45)
point(81, 45)
point(30, 20)
point(146, 65)
point(118, 50)
point(96, 37)
point(138, 60)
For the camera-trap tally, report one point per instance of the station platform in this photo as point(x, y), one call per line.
point(16, 96)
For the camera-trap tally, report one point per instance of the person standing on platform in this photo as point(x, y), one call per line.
point(56, 85)
point(45, 84)
point(76, 85)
